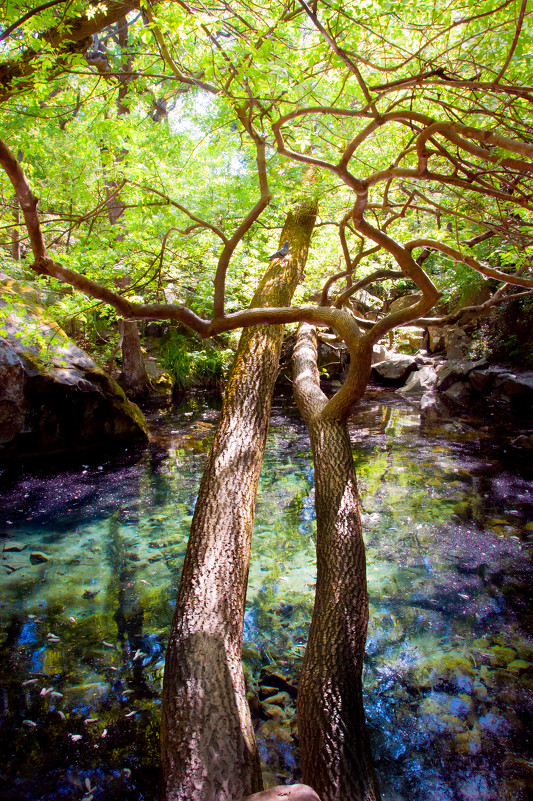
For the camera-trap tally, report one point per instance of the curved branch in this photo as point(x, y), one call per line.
point(28, 201)
point(513, 43)
point(246, 224)
point(451, 130)
point(74, 35)
point(340, 53)
point(28, 15)
point(456, 255)
point(169, 61)
point(449, 319)
point(409, 268)
point(189, 214)
point(377, 275)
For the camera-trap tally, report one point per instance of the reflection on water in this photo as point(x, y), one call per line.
point(91, 561)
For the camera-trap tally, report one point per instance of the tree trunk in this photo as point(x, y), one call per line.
point(134, 378)
point(207, 740)
point(335, 752)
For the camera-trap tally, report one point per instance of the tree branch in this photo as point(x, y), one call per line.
point(28, 15)
point(74, 35)
point(246, 224)
point(480, 267)
point(189, 214)
point(501, 73)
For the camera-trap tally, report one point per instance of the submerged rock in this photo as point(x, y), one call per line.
point(53, 397)
point(39, 557)
point(14, 547)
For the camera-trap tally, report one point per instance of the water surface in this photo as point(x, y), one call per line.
point(91, 561)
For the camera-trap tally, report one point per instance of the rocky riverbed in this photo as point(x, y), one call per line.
point(91, 560)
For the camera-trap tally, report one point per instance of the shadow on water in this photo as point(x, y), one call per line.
point(91, 559)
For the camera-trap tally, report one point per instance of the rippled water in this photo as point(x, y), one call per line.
point(91, 562)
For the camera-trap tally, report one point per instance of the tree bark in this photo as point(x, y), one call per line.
point(208, 748)
point(335, 752)
point(133, 378)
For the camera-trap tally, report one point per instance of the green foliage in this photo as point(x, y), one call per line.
point(506, 334)
point(192, 366)
point(80, 142)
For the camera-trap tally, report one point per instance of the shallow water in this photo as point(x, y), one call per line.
point(91, 562)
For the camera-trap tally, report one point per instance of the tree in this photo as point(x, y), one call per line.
point(208, 744)
point(434, 162)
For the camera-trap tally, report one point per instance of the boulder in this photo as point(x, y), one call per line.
point(519, 385)
point(53, 397)
point(160, 379)
point(394, 371)
point(403, 302)
point(459, 394)
point(436, 340)
point(456, 370)
point(379, 353)
point(419, 382)
point(457, 342)
point(408, 337)
point(485, 379)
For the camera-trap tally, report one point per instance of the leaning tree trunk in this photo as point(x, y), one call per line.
point(335, 752)
point(208, 748)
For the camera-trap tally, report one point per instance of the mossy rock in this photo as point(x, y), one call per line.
point(53, 397)
point(500, 656)
point(468, 743)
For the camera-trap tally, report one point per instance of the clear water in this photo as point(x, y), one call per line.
point(90, 566)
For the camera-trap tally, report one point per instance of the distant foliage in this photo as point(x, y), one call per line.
point(207, 366)
point(506, 335)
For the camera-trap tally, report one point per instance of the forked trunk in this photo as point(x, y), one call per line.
point(335, 752)
point(208, 749)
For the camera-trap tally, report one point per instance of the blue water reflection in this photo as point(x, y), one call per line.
point(91, 562)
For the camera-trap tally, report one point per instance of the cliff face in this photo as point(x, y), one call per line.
point(53, 397)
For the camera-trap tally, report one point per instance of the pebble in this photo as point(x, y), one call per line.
point(14, 547)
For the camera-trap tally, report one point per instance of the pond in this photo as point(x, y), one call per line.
point(91, 560)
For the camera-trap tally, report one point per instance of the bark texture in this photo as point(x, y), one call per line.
point(335, 752)
point(207, 739)
point(134, 378)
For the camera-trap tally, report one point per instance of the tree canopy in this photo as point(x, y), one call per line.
point(195, 122)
